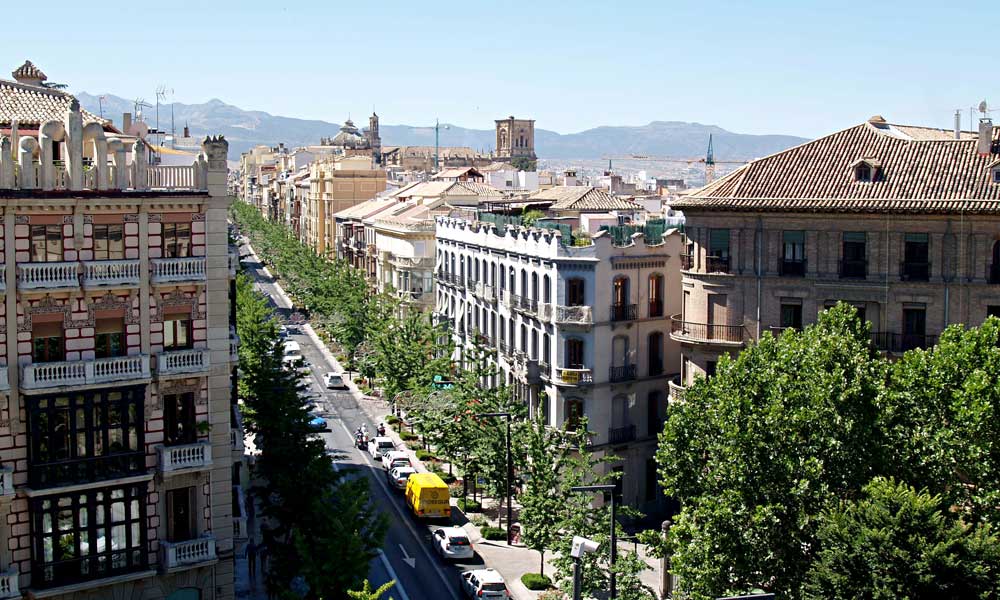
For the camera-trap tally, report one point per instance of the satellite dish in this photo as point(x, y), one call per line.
point(982, 107)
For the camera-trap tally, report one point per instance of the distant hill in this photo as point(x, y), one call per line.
point(245, 129)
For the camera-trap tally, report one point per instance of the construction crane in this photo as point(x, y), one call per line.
point(709, 160)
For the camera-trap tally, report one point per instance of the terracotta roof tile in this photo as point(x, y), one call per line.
point(33, 105)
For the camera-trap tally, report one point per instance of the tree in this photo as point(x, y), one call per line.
point(367, 593)
point(759, 451)
point(408, 353)
point(530, 217)
point(523, 163)
point(896, 542)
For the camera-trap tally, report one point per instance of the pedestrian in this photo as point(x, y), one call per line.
point(264, 557)
point(251, 555)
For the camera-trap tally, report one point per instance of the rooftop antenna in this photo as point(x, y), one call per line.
point(100, 104)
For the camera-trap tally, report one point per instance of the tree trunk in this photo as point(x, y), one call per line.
point(541, 567)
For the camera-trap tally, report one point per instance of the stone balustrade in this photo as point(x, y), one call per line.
point(176, 555)
point(47, 275)
point(174, 362)
point(111, 273)
point(171, 270)
point(236, 430)
point(9, 584)
point(184, 457)
point(170, 177)
point(39, 376)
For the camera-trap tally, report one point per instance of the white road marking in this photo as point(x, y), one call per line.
point(406, 557)
point(392, 573)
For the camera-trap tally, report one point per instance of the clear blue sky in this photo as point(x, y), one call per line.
point(795, 67)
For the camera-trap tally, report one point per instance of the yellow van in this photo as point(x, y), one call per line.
point(427, 496)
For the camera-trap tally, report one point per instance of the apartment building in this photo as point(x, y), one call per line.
point(903, 222)
point(116, 458)
point(579, 327)
point(336, 184)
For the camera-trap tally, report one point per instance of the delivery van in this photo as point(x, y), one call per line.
point(427, 496)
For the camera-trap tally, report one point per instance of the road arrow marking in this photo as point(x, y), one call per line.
point(406, 557)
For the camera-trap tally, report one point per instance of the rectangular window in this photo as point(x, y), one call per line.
point(47, 343)
point(179, 419)
point(793, 254)
point(109, 338)
point(574, 292)
point(89, 534)
point(916, 265)
point(46, 243)
point(854, 264)
point(718, 251)
point(176, 240)
point(181, 524)
point(109, 242)
point(791, 315)
point(177, 332)
point(710, 367)
point(914, 328)
point(85, 436)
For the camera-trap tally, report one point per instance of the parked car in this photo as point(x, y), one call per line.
point(395, 458)
point(397, 477)
point(452, 543)
point(484, 583)
point(428, 496)
point(378, 446)
point(317, 422)
point(335, 381)
point(292, 348)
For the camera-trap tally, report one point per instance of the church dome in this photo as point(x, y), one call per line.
point(349, 137)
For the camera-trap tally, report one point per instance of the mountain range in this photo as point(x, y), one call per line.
point(247, 128)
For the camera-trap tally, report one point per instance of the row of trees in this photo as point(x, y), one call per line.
point(813, 467)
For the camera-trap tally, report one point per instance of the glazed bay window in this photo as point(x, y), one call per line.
point(793, 254)
point(854, 263)
point(177, 332)
point(109, 338)
point(176, 240)
point(87, 535)
point(46, 243)
point(85, 436)
point(109, 242)
point(718, 251)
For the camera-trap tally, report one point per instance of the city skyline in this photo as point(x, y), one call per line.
point(779, 68)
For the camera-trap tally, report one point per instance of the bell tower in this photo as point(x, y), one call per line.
point(374, 140)
point(515, 138)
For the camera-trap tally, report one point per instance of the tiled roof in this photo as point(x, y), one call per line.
point(365, 209)
point(29, 71)
point(497, 166)
point(918, 171)
point(581, 197)
point(438, 189)
point(457, 172)
point(464, 188)
point(34, 105)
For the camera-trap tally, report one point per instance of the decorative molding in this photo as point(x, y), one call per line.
point(175, 298)
point(198, 217)
point(130, 218)
point(178, 386)
point(110, 301)
point(48, 304)
point(67, 219)
point(154, 217)
point(21, 219)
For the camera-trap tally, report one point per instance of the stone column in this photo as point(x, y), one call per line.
point(74, 146)
point(6, 164)
point(25, 159)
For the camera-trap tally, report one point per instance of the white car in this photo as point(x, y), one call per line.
point(292, 348)
point(397, 477)
point(453, 543)
point(379, 446)
point(395, 458)
point(484, 583)
point(334, 381)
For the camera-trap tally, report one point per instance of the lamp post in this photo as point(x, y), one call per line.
point(613, 550)
point(510, 467)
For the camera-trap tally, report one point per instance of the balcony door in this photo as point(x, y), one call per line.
point(46, 243)
point(48, 342)
point(180, 514)
point(109, 242)
point(914, 328)
point(109, 337)
point(574, 354)
point(575, 292)
point(179, 419)
point(619, 351)
point(718, 315)
point(619, 412)
point(619, 291)
point(176, 240)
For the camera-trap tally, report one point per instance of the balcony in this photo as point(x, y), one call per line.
point(621, 435)
point(573, 315)
point(111, 273)
point(234, 261)
point(995, 273)
point(915, 271)
point(717, 264)
point(40, 376)
point(706, 333)
point(485, 292)
point(675, 390)
point(507, 299)
point(4, 381)
point(177, 362)
point(234, 346)
point(524, 304)
point(3, 277)
point(184, 457)
point(526, 368)
point(574, 377)
point(897, 343)
point(47, 276)
point(792, 267)
point(624, 312)
point(654, 308)
point(687, 262)
point(175, 270)
point(853, 269)
point(236, 430)
point(9, 586)
point(6, 483)
point(86, 469)
point(179, 555)
point(622, 373)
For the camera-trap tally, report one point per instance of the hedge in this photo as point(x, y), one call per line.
point(406, 436)
point(493, 533)
point(469, 505)
point(536, 581)
point(426, 455)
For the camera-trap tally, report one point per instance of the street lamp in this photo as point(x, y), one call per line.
point(613, 550)
point(510, 467)
point(581, 546)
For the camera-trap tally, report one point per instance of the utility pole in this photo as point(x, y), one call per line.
point(613, 550)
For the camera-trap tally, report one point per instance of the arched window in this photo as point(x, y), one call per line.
point(619, 351)
point(575, 292)
point(546, 290)
point(574, 413)
point(513, 281)
point(654, 352)
point(493, 274)
point(461, 261)
point(655, 295)
point(523, 290)
point(524, 339)
point(534, 344)
point(546, 349)
point(534, 286)
point(574, 354)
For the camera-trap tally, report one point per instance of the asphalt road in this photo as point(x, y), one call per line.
point(407, 554)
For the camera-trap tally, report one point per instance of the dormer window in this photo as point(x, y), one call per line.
point(866, 170)
point(863, 172)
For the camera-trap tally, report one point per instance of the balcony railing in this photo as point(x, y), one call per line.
point(186, 456)
point(706, 332)
point(914, 271)
point(853, 269)
point(176, 555)
point(236, 430)
point(507, 299)
point(111, 273)
point(622, 373)
point(175, 362)
point(47, 275)
point(574, 376)
point(9, 584)
point(86, 469)
point(621, 435)
point(675, 389)
point(901, 342)
point(574, 315)
point(525, 304)
point(39, 376)
point(687, 262)
point(169, 270)
point(995, 273)
point(792, 267)
point(717, 264)
point(624, 312)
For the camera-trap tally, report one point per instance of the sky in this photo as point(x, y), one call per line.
point(767, 66)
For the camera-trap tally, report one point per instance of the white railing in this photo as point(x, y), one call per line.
point(111, 273)
point(166, 270)
point(170, 177)
point(574, 376)
point(506, 298)
point(187, 456)
point(47, 275)
point(4, 381)
point(236, 431)
point(192, 552)
point(9, 586)
point(84, 372)
point(574, 315)
point(182, 361)
point(7, 481)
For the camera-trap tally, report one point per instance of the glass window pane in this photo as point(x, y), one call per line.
point(855, 237)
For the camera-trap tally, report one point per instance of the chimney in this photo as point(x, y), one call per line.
point(958, 124)
point(126, 122)
point(985, 145)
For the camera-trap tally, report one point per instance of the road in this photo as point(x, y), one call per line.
point(407, 554)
